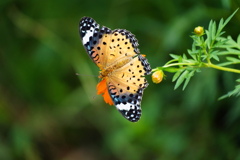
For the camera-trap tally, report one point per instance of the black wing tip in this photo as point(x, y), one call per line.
point(86, 18)
point(83, 20)
point(85, 23)
point(129, 115)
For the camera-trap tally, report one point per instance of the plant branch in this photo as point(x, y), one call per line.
point(222, 68)
point(179, 64)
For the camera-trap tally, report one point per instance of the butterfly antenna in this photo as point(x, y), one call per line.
point(77, 74)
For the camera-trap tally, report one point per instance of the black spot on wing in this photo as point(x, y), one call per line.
point(129, 36)
point(87, 23)
point(146, 65)
point(133, 114)
point(128, 104)
point(91, 33)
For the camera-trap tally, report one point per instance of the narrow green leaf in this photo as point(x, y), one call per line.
point(235, 92)
point(229, 18)
point(194, 56)
point(233, 51)
point(238, 41)
point(225, 64)
point(204, 57)
point(231, 43)
point(220, 43)
point(188, 79)
point(181, 79)
point(220, 23)
point(220, 26)
point(221, 33)
point(177, 74)
point(223, 97)
point(214, 56)
point(174, 56)
point(180, 59)
point(229, 52)
point(232, 59)
point(208, 39)
point(210, 25)
point(189, 51)
point(213, 30)
point(184, 56)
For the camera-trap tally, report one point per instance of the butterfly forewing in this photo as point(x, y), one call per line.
point(114, 47)
point(91, 34)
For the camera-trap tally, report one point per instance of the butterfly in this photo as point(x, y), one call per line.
point(122, 68)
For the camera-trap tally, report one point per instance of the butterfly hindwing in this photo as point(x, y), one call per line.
point(126, 86)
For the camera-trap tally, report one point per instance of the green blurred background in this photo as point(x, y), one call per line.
point(47, 112)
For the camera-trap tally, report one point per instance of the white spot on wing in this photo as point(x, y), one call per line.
point(88, 34)
point(122, 106)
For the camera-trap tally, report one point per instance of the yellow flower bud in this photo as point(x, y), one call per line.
point(157, 76)
point(199, 31)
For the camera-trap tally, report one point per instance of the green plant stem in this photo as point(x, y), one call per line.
point(221, 68)
point(179, 64)
point(169, 62)
point(209, 65)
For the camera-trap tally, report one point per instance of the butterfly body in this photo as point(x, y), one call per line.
point(108, 71)
point(122, 68)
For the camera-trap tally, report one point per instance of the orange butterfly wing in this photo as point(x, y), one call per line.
point(122, 67)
